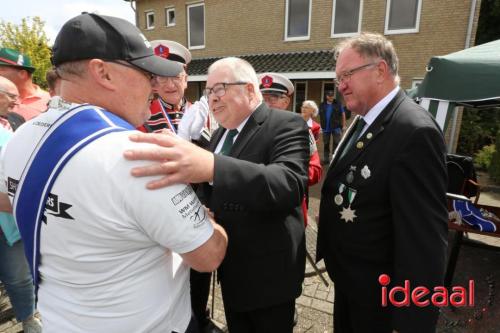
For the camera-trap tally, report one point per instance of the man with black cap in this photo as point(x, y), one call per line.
point(332, 119)
point(103, 259)
point(17, 67)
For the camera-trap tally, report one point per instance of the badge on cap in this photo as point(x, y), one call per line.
point(162, 51)
point(20, 60)
point(267, 81)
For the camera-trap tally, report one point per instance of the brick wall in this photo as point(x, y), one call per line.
point(237, 27)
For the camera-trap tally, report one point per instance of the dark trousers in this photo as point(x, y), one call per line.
point(327, 137)
point(200, 289)
point(192, 327)
point(273, 319)
point(353, 315)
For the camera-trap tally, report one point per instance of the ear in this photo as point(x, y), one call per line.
point(382, 70)
point(102, 74)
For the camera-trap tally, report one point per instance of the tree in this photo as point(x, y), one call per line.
point(29, 38)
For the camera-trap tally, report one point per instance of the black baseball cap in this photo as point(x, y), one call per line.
point(89, 36)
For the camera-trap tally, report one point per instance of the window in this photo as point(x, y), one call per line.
point(402, 16)
point(170, 17)
point(299, 96)
point(297, 19)
point(346, 17)
point(196, 26)
point(150, 20)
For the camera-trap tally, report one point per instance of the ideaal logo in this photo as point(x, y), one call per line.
point(419, 296)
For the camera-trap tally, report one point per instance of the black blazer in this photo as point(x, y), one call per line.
point(400, 226)
point(256, 196)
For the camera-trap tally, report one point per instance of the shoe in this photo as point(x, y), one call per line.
point(32, 325)
point(210, 327)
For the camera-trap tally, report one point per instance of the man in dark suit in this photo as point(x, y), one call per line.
point(253, 182)
point(383, 206)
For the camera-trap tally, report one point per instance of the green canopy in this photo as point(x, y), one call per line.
point(470, 77)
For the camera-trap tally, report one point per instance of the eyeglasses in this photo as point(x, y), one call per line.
point(172, 79)
point(11, 96)
point(219, 89)
point(346, 76)
point(272, 98)
point(151, 77)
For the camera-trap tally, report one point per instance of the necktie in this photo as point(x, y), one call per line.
point(355, 135)
point(228, 142)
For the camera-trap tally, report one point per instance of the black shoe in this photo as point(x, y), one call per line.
point(210, 327)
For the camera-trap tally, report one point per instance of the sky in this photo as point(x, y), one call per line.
point(56, 12)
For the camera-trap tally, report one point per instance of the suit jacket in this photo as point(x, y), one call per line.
point(256, 196)
point(394, 179)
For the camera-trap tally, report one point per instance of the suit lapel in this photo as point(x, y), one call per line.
point(368, 137)
point(216, 136)
point(251, 127)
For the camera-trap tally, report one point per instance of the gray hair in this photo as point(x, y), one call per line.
point(312, 105)
point(241, 70)
point(73, 68)
point(372, 45)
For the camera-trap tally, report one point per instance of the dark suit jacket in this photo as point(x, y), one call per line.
point(256, 196)
point(400, 226)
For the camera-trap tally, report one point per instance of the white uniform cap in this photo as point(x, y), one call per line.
point(171, 50)
point(274, 82)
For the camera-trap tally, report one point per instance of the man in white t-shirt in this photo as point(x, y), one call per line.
point(113, 257)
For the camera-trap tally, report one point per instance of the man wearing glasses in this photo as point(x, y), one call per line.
point(106, 254)
point(9, 99)
point(169, 106)
point(253, 179)
point(383, 203)
point(17, 67)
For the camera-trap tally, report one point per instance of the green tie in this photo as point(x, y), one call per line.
point(228, 142)
point(355, 135)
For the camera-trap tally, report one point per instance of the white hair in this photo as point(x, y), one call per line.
point(240, 69)
point(312, 105)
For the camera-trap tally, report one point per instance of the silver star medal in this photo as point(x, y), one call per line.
point(365, 172)
point(348, 214)
point(338, 199)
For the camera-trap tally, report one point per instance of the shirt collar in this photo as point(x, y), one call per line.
point(377, 109)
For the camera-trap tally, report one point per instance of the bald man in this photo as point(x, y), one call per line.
point(9, 99)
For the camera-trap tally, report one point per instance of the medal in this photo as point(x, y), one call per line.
point(369, 136)
point(350, 175)
point(360, 144)
point(365, 172)
point(348, 214)
point(338, 199)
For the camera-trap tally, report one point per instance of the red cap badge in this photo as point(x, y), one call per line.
point(162, 51)
point(267, 81)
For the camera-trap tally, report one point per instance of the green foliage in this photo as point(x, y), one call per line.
point(29, 38)
point(488, 28)
point(483, 157)
point(494, 169)
point(479, 128)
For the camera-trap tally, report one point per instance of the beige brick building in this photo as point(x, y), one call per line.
point(260, 29)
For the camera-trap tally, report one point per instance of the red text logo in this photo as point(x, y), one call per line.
point(400, 296)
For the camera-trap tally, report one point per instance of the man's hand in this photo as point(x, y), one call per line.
point(177, 160)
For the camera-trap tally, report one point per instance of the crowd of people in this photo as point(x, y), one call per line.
point(120, 197)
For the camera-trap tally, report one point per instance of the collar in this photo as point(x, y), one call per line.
point(377, 109)
point(309, 122)
point(172, 106)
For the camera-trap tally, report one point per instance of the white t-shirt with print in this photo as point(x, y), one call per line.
point(107, 249)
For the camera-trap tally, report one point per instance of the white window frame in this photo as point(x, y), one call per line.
point(148, 14)
point(295, 95)
point(401, 31)
point(167, 16)
point(188, 26)
point(291, 39)
point(416, 81)
point(348, 34)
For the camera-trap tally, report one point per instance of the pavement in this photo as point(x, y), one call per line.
point(315, 305)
